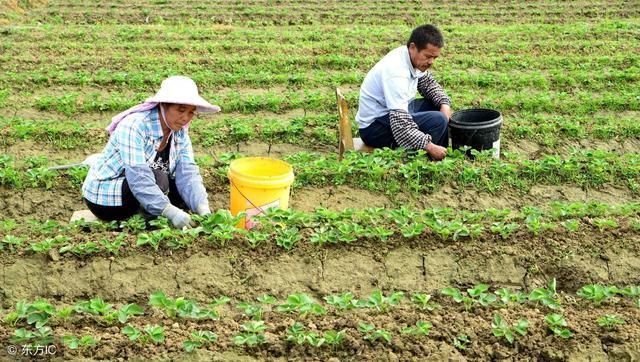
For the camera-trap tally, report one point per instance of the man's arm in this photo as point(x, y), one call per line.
point(405, 131)
point(433, 92)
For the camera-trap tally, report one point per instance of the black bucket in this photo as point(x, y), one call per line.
point(477, 128)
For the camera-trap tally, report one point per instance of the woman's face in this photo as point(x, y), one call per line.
point(178, 115)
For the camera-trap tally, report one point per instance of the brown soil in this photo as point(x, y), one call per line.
point(424, 265)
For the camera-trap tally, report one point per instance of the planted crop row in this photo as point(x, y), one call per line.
point(320, 129)
point(288, 228)
point(35, 320)
point(204, 37)
point(336, 13)
point(525, 100)
point(391, 171)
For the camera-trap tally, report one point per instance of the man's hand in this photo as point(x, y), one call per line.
point(435, 151)
point(446, 109)
point(177, 217)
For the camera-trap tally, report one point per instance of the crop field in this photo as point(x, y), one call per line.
point(384, 256)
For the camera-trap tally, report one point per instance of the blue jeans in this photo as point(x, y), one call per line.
point(426, 115)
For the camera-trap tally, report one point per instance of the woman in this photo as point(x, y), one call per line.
point(148, 162)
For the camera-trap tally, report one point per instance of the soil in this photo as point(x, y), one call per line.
point(426, 265)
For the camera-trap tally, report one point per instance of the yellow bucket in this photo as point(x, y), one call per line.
point(257, 184)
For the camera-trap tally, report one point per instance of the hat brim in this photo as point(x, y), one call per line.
point(202, 106)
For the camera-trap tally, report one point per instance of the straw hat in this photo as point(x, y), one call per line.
point(182, 90)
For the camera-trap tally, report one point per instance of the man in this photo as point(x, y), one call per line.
point(388, 115)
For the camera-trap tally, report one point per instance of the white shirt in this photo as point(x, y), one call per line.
point(390, 85)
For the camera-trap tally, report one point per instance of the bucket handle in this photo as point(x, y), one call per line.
point(246, 198)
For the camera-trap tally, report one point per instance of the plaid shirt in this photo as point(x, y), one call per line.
point(133, 144)
point(405, 131)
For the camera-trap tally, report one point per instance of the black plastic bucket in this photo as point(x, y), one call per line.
point(478, 128)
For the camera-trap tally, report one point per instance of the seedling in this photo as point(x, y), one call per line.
point(343, 301)
point(94, 306)
point(253, 334)
point(73, 342)
point(334, 338)
point(420, 329)
point(153, 334)
point(41, 337)
point(461, 342)
point(128, 310)
point(372, 334)
point(571, 225)
point(199, 339)
point(41, 176)
point(380, 302)
point(267, 299)
point(507, 296)
point(502, 329)
point(253, 311)
point(423, 301)
point(134, 224)
point(597, 293)
point(547, 296)
point(605, 224)
point(297, 334)
point(303, 304)
point(180, 307)
point(504, 229)
point(476, 295)
point(610, 321)
point(37, 313)
point(557, 324)
point(288, 237)
point(13, 241)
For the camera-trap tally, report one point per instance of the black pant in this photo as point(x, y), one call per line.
point(130, 205)
point(426, 115)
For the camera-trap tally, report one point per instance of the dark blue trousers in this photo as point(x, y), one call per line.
point(426, 115)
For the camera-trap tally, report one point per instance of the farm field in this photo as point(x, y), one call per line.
point(385, 256)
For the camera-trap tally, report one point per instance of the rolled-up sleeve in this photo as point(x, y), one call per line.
point(432, 91)
point(406, 132)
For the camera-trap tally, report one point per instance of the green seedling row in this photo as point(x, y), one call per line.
point(287, 229)
point(37, 321)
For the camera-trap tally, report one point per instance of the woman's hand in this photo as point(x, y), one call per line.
point(203, 210)
point(177, 217)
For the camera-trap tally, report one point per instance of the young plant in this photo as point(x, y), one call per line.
point(372, 334)
point(333, 338)
point(557, 324)
point(476, 295)
point(199, 339)
point(502, 329)
point(252, 335)
point(180, 307)
point(420, 329)
point(461, 342)
point(423, 301)
point(302, 304)
point(153, 334)
point(610, 321)
point(41, 337)
point(381, 302)
point(504, 229)
point(342, 302)
point(73, 342)
point(547, 296)
point(297, 334)
point(597, 293)
point(507, 296)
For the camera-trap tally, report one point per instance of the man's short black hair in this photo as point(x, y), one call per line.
point(426, 34)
